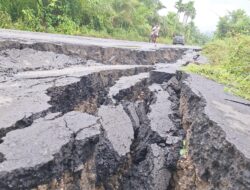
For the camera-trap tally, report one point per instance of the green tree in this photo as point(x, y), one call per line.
point(126, 19)
point(180, 7)
point(189, 12)
point(235, 22)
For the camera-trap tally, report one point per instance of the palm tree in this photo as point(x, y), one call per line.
point(180, 7)
point(189, 12)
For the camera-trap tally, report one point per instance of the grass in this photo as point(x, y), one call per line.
point(235, 84)
point(184, 149)
point(230, 64)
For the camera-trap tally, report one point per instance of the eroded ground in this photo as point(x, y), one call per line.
point(91, 116)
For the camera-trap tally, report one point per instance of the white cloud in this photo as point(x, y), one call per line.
point(209, 11)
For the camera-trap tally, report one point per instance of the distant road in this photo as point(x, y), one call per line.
point(80, 40)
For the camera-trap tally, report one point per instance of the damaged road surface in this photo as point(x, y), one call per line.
point(93, 114)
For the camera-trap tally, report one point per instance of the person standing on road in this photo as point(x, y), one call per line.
point(155, 33)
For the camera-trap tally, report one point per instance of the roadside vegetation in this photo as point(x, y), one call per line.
point(121, 19)
point(229, 54)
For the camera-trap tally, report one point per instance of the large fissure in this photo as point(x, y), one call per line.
point(209, 161)
point(84, 96)
point(148, 154)
point(128, 124)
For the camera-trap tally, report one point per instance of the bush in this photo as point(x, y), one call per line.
point(230, 64)
point(30, 21)
point(5, 20)
point(231, 53)
point(67, 26)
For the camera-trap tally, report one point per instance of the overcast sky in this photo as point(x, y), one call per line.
point(209, 11)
